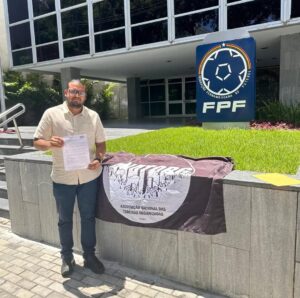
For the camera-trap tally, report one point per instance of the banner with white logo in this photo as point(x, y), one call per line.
point(164, 191)
point(226, 81)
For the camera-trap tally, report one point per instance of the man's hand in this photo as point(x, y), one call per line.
point(94, 165)
point(56, 142)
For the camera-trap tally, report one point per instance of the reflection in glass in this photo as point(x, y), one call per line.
point(108, 15)
point(45, 29)
point(146, 10)
point(76, 47)
point(144, 94)
point(190, 90)
point(196, 24)
point(75, 22)
point(145, 109)
point(158, 109)
point(16, 15)
point(22, 57)
point(149, 33)
point(67, 3)
point(295, 9)
point(255, 12)
point(182, 6)
point(20, 36)
point(175, 92)
point(175, 109)
point(190, 108)
point(157, 93)
point(110, 41)
point(48, 52)
point(42, 6)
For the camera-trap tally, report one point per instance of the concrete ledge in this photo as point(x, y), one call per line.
point(255, 258)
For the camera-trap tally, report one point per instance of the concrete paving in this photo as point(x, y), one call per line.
point(32, 269)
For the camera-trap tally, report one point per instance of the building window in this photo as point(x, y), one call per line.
point(48, 52)
point(190, 95)
point(196, 17)
point(20, 36)
point(17, 10)
point(42, 7)
point(295, 9)
point(22, 57)
point(182, 6)
point(195, 24)
point(67, 3)
point(108, 15)
point(178, 94)
point(149, 33)
point(145, 10)
point(153, 98)
point(75, 22)
point(76, 47)
point(253, 12)
point(149, 21)
point(110, 41)
point(45, 29)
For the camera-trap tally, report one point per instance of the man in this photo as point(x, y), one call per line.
point(70, 119)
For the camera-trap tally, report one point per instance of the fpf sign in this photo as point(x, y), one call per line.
point(226, 81)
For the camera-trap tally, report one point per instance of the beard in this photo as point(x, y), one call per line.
point(75, 104)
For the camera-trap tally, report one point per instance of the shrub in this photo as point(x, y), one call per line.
point(33, 92)
point(276, 111)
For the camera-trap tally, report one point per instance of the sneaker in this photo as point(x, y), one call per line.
point(67, 267)
point(94, 264)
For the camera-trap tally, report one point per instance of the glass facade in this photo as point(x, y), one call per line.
point(108, 27)
point(295, 9)
point(254, 12)
point(145, 10)
point(45, 30)
point(182, 6)
point(20, 36)
point(17, 10)
point(168, 97)
point(149, 33)
point(110, 41)
point(48, 52)
point(108, 15)
point(43, 7)
point(75, 22)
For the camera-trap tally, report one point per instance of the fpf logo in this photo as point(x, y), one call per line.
point(224, 71)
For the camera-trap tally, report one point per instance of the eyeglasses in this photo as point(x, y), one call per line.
point(76, 92)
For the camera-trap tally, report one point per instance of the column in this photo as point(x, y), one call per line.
point(133, 95)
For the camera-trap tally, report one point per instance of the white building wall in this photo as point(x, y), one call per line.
point(4, 55)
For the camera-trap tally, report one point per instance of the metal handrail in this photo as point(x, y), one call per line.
point(13, 118)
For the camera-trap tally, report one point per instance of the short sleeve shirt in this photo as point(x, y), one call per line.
point(59, 121)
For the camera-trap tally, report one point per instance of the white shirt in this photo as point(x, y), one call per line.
point(59, 121)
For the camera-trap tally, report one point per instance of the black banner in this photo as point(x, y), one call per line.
point(164, 191)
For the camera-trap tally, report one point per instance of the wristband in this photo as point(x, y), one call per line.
point(99, 159)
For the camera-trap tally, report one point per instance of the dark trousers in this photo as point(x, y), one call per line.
point(65, 199)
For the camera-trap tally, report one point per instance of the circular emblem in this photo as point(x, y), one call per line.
point(223, 70)
point(147, 193)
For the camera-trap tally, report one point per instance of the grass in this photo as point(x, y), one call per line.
point(253, 150)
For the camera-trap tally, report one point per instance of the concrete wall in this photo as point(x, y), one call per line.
point(259, 256)
point(290, 69)
point(3, 40)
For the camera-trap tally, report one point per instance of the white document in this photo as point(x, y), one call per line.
point(76, 152)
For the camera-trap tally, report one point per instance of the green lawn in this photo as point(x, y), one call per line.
point(254, 150)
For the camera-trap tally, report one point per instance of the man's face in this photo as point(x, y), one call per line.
point(75, 95)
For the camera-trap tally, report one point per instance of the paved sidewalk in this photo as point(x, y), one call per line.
point(32, 269)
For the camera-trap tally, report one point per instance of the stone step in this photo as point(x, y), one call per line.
point(15, 141)
point(3, 191)
point(15, 149)
point(4, 205)
point(2, 173)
